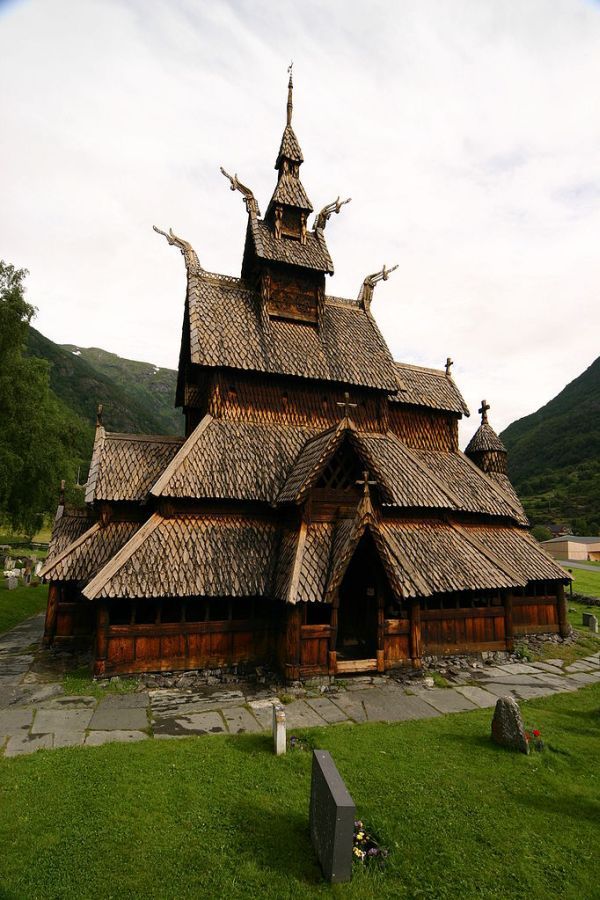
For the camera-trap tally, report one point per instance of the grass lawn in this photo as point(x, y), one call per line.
point(222, 817)
point(20, 604)
point(585, 582)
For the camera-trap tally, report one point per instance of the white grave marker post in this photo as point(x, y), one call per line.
point(279, 735)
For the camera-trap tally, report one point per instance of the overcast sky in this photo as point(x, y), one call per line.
point(467, 133)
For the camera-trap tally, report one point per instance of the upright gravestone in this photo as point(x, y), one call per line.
point(332, 814)
point(591, 621)
point(507, 725)
point(13, 582)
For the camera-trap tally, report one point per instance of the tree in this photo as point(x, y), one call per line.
point(541, 533)
point(36, 432)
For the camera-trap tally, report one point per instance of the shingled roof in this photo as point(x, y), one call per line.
point(232, 460)
point(227, 328)
point(289, 147)
point(191, 556)
point(69, 524)
point(82, 558)
point(420, 386)
point(485, 438)
point(125, 466)
point(311, 255)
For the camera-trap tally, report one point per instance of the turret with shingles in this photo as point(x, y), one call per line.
point(485, 448)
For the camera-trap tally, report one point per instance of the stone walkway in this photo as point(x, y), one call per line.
point(36, 713)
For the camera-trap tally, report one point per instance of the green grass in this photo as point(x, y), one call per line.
point(20, 604)
point(585, 582)
point(79, 681)
point(222, 817)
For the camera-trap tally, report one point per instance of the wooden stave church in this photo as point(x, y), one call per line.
point(318, 516)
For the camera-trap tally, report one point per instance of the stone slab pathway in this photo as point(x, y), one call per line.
point(36, 714)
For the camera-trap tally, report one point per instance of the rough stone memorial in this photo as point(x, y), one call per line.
point(507, 725)
point(591, 621)
point(332, 814)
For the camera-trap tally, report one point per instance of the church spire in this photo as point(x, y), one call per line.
point(290, 102)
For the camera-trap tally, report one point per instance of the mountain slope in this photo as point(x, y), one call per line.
point(554, 455)
point(137, 397)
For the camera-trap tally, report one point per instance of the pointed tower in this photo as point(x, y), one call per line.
point(485, 448)
point(289, 208)
point(284, 260)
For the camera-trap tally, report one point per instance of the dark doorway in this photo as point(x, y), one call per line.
point(362, 591)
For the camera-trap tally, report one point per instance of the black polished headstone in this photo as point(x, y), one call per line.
point(332, 814)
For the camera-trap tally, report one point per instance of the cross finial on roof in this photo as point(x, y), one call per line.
point(346, 404)
point(449, 364)
point(483, 410)
point(99, 415)
point(290, 105)
point(364, 481)
point(61, 494)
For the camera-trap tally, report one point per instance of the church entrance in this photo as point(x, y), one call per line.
point(361, 597)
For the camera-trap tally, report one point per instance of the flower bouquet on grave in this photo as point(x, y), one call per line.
point(534, 740)
point(365, 848)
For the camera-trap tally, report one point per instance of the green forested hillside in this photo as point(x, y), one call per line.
point(554, 456)
point(137, 396)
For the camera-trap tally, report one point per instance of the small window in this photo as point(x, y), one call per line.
point(120, 613)
point(318, 614)
point(171, 611)
point(145, 613)
point(219, 609)
point(196, 610)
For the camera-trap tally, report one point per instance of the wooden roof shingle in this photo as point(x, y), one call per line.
point(89, 552)
point(420, 386)
point(227, 328)
point(69, 524)
point(311, 255)
point(125, 466)
point(232, 460)
point(192, 556)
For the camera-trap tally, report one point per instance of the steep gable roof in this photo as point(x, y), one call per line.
point(420, 386)
point(228, 328)
point(125, 466)
point(81, 559)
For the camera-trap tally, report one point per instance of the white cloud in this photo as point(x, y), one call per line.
point(467, 134)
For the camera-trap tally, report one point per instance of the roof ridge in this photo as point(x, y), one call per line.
point(183, 452)
point(121, 556)
point(298, 560)
point(431, 371)
point(148, 438)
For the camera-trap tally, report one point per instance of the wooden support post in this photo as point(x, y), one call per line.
point(51, 614)
point(563, 620)
point(332, 662)
point(380, 631)
point(101, 640)
point(508, 621)
point(415, 634)
point(292, 642)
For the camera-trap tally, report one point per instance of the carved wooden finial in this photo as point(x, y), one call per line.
point(99, 415)
point(61, 493)
point(328, 211)
point(236, 185)
point(449, 364)
point(364, 481)
point(290, 105)
point(366, 292)
point(345, 403)
point(189, 254)
point(483, 410)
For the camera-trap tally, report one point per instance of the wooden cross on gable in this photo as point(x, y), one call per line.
point(346, 404)
point(364, 481)
point(449, 364)
point(483, 410)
